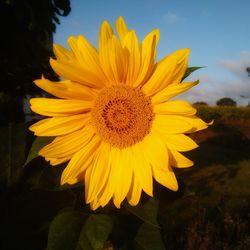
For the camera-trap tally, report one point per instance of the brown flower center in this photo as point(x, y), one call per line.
point(122, 115)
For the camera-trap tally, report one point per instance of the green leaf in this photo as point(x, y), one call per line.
point(64, 230)
point(95, 232)
point(146, 211)
point(148, 238)
point(39, 143)
point(40, 175)
point(189, 71)
point(71, 230)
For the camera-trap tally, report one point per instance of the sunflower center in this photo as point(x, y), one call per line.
point(122, 115)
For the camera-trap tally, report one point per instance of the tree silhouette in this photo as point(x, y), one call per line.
point(248, 71)
point(226, 101)
point(27, 28)
point(200, 104)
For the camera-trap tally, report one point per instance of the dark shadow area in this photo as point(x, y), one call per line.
point(25, 48)
point(228, 146)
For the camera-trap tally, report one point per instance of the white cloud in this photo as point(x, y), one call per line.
point(211, 89)
point(171, 18)
point(238, 68)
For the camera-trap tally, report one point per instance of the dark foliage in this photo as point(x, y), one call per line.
point(248, 71)
point(26, 45)
point(226, 101)
point(200, 104)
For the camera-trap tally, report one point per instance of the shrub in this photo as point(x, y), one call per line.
point(226, 101)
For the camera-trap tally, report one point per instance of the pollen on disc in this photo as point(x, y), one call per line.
point(122, 115)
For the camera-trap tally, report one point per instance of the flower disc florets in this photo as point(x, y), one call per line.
point(122, 115)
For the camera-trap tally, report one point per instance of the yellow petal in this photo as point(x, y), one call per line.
point(168, 71)
point(65, 89)
point(157, 155)
point(59, 125)
point(67, 145)
point(175, 107)
point(57, 161)
point(118, 59)
point(166, 178)
point(95, 204)
point(171, 124)
point(87, 56)
point(105, 36)
point(134, 64)
point(148, 54)
point(119, 179)
point(122, 164)
point(62, 53)
point(142, 169)
point(80, 161)
point(59, 107)
point(180, 142)
point(76, 73)
point(176, 124)
point(99, 173)
point(171, 91)
point(121, 29)
point(178, 160)
point(113, 59)
point(134, 193)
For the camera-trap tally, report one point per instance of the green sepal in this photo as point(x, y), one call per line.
point(37, 145)
point(189, 71)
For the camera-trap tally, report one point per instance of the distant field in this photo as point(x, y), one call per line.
point(215, 211)
point(225, 113)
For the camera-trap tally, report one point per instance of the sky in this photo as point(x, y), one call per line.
point(216, 31)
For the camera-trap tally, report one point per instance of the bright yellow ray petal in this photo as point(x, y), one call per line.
point(57, 161)
point(142, 169)
point(178, 160)
point(171, 124)
point(176, 124)
point(124, 175)
point(80, 161)
point(175, 107)
point(134, 63)
point(62, 53)
point(166, 178)
point(105, 36)
point(99, 172)
point(148, 54)
point(157, 154)
point(67, 145)
point(76, 73)
point(118, 59)
point(113, 59)
point(59, 107)
point(87, 56)
point(121, 29)
point(171, 91)
point(95, 204)
point(59, 125)
point(105, 33)
point(168, 71)
point(119, 179)
point(180, 142)
point(65, 89)
point(134, 193)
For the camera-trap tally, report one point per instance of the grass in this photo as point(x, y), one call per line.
point(215, 211)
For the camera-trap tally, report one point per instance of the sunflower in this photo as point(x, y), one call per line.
point(113, 120)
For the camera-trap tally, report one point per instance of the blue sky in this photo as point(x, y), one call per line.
point(216, 31)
